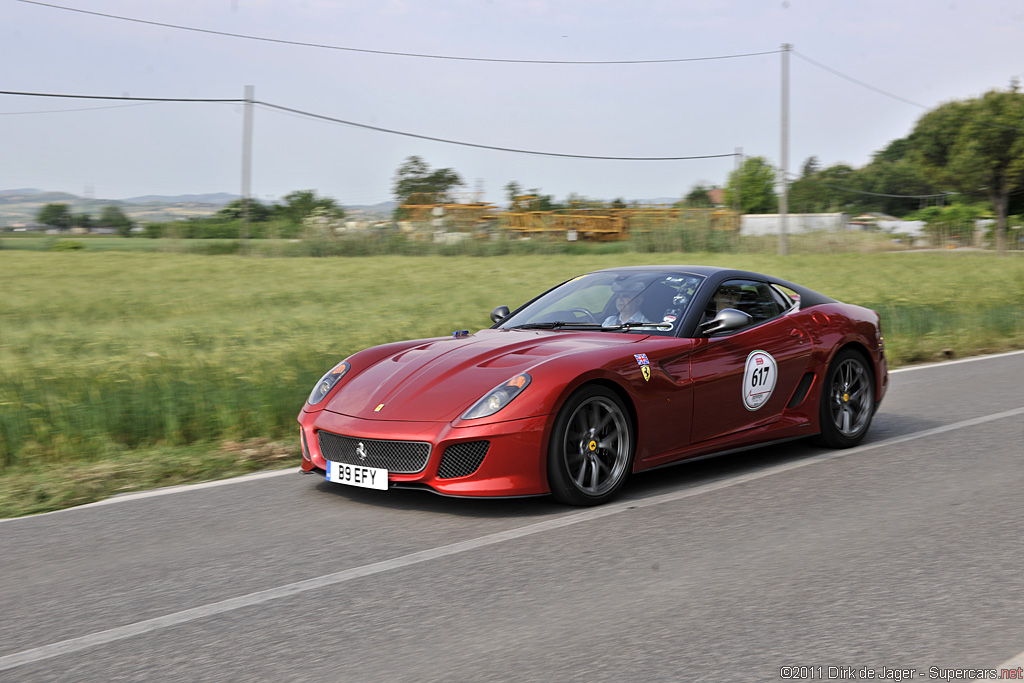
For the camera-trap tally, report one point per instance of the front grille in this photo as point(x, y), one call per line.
point(462, 459)
point(402, 457)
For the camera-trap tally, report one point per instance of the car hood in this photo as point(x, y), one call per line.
point(438, 380)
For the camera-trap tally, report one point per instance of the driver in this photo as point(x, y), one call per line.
point(628, 297)
point(727, 296)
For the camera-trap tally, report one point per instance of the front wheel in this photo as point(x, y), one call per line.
point(591, 450)
point(847, 401)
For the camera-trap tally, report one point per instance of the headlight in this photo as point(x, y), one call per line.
point(327, 382)
point(498, 397)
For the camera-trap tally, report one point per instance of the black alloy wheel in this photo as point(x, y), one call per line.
point(591, 450)
point(847, 401)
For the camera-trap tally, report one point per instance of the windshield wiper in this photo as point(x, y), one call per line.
point(631, 325)
point(556, 325)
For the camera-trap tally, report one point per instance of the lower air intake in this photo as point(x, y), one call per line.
point(462, 459)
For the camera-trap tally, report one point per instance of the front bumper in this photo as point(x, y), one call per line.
point(514, 465)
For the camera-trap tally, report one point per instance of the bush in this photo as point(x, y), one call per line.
point(65, 245)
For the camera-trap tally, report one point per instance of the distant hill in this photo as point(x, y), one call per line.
point(23, 205)
point(218, 198)
point(384, 209)
point(32, 195)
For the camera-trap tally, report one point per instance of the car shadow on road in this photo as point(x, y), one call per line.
point(427, 501)
point(683, 475)
point(639, 486)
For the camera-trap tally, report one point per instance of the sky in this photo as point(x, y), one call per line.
point(896, 60)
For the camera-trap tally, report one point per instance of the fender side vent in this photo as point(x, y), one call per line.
point(801, 390)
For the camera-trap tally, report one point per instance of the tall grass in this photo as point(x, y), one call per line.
point(694, 233)
point(103, 353)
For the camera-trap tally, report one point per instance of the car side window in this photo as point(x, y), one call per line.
point(786, 297)
point(756, 299)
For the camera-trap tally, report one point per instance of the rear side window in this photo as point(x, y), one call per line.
point(785, 296)
point(756, 299)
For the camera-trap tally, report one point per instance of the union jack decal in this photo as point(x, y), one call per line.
point(641, 359)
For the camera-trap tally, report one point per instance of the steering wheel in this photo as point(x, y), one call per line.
point(587, 314)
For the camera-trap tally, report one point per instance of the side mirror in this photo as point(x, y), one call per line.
point(727, 320)
point(499, 314)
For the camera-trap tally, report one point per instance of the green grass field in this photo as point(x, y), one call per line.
point(126, 370)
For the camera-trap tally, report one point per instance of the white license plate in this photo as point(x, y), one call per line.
point(357, 475)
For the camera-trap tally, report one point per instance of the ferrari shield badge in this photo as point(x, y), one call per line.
point(645, 365)
point(759, 377)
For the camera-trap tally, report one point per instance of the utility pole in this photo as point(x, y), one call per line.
point(738, 205)
point(246, 167)
point(784, 154)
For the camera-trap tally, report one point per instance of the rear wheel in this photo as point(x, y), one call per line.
point(847, 401)
point(591, 450)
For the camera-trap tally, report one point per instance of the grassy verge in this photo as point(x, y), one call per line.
point(128, 370)
point(29, 489)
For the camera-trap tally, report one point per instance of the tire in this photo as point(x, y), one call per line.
point(847, 401)
point(590, 454)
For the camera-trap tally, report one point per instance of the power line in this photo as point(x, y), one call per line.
point(61, 111)
point(117, 97)
point(985, 124)
point(873, 194)
point(374, 128)
point(479, 146)
point(853, 80)
point(392, 53)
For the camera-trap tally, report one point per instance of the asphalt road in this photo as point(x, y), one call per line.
point(904, 553)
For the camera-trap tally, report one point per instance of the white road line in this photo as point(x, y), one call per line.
point(129, 630)
point(1012, 664)
point(942, 364)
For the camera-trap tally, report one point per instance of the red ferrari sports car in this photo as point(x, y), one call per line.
point(612, 372)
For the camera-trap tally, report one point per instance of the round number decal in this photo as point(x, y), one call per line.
point(758, 379)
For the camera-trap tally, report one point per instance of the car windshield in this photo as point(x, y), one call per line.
point(628, 301)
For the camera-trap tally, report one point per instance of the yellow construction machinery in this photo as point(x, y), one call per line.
point(592, 221)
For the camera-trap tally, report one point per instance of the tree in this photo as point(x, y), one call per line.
point(82, 220)
point(112, 217)
point(811, 166)
point(415, 183)
point(55, 215)
point(897, 150)
point(301, 204)
point(543, 202)
point(754, 184)
point(699, 197)
point(882, 177)
point(976, 147)
point(821, 190)
point(529, 200)
point(512, 190)
point(232, 211)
